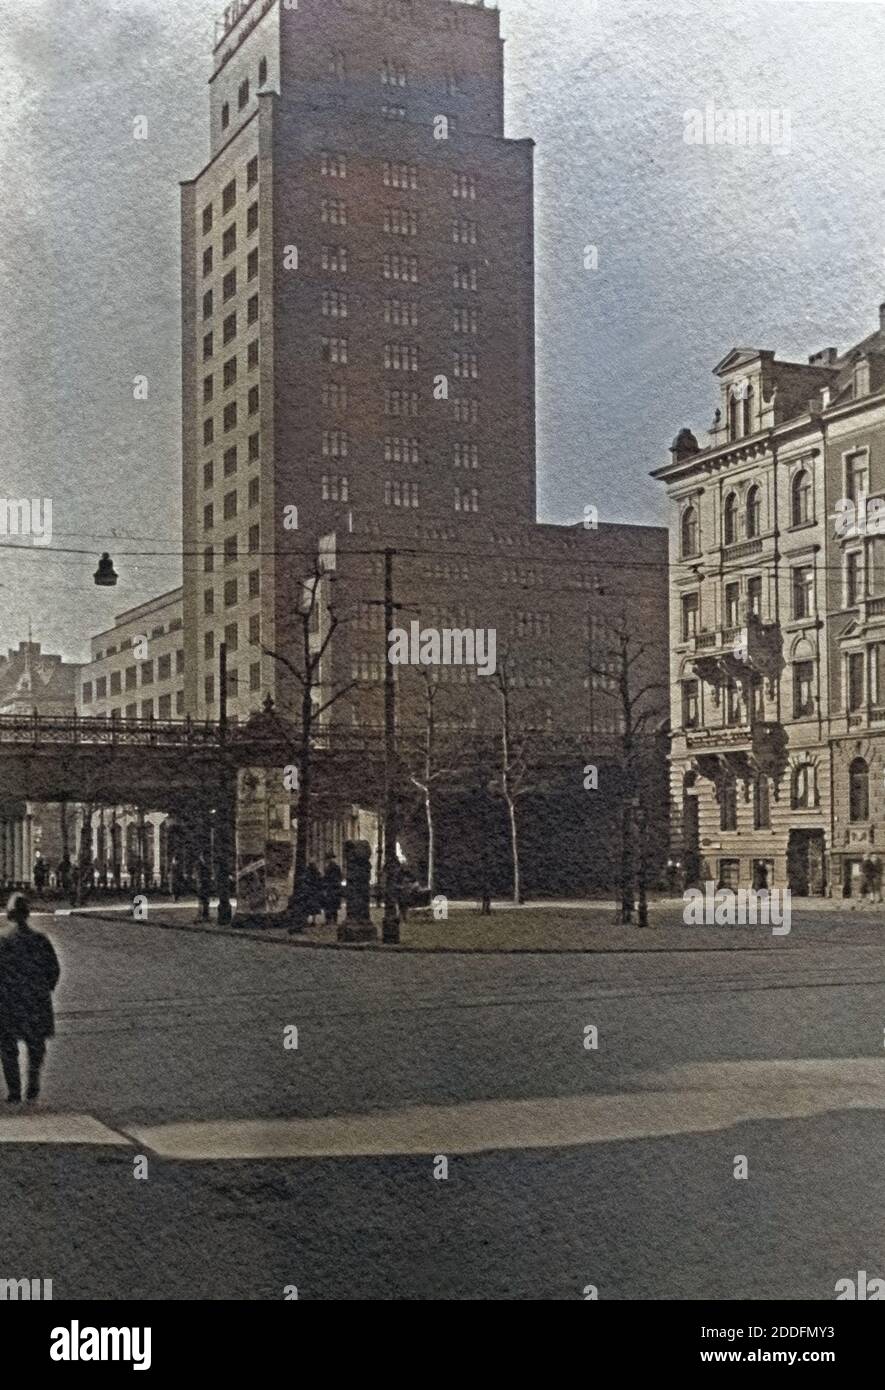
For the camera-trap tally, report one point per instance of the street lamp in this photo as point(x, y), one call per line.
point(105, 576)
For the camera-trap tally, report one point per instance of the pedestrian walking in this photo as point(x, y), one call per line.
point(332, 890)
point(40, 873)
point(175, 877)
point(866, 877)
point(29, 972)
point(313, 893)
point(204, 888)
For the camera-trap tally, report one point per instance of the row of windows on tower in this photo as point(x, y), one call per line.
point(230, 463)
point(393, 175)
point(230, 510)
point(397, 449)
point(398, 493)
point(229, 329)
point(229, 372)
point(231, 637)
point(231, 592)
point(244, 90)
point(398, 357)
point(229, 239)
point(398, 267)
point(229, 284)
point(465, 409)
point(229, 195)
point(398, 221)
point(401, 313)
point(230, 415)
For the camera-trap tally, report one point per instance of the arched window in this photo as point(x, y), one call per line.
point(730, 520)
point(689, 532)
point(754, 513)
point(747, 412)
point(800, 494)
point(858, 791)
point(734, 409)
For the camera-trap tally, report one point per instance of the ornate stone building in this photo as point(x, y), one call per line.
point(777, 616)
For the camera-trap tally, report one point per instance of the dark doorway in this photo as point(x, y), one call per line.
point(805, 863)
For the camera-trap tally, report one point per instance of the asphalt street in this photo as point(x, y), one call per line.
point(271, 1166)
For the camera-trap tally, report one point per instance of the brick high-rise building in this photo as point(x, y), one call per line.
point(358, 316)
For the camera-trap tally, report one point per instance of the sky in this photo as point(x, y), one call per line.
point(696, 248)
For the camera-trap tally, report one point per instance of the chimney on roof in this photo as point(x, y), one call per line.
point(825, 358)
point(882, 318)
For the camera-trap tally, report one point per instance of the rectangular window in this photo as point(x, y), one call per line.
point(225, 116)
point(732, 607)
point(208, 645)
point(690, 609)
point(207, 218)
point(230, 416)
point(803, 689)
point(252, 219)
point(728, 820)
point(689, 704)
point(208, 517)
point(115, 683)
point(754, 597)
point(466, 410)
point(252, 264)
point(209, 689)
point(230, 371)
point(334, 304)
point(334, 350)
point(463, 231)
point(334, 396)
point(254, 491)
point(252, 354)
point(255, 676)
point(229, 240)
point(231, 552)
point(231, 637)
point(262, 72)
point(254, 447)
point(164, 667)
point(207, 305)
point(208, 559)
point(255, 629)
point(147, 709)
point(208, 382)
point(230, 460)
point(229, 196)
point(254, 539)
point(334, 258)
point(164, 707)
point(464, 277)
point(333, 166)
point(229, 285)
point(857, 479)
point(208, 600)
point(243, 93)
point(333, 211)
point(803, 592)
point(401, 221)
point(252, 309)
point(230, 505)
point(855, 681)
point(254, 584)
point(207, 261)
point(464, 186)
point(131, 677)
point(853, 577)
point(230, 593)
point(229, 331)
point(147, 672)
point(254, 400)
point(208, 430)
point(207, 346)
point(252, 172)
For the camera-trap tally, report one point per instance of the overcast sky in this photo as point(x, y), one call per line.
point(699, 248)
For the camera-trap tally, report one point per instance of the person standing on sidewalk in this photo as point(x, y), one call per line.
point(29, 972)
point(204, 888)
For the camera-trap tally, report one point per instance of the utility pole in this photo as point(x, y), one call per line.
point(390, 921)
point(224, 908)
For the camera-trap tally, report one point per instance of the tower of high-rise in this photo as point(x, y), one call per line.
point(357, 306)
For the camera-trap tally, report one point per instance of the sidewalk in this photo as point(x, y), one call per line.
point(575, 927)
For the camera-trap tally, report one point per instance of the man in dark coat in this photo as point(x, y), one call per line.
point(29, 972)
point(204, 888)
point(332, 890)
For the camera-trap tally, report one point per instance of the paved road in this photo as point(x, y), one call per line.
point(271, 1166)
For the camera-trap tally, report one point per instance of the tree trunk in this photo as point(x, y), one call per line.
point(626, 914)
point(514, 847)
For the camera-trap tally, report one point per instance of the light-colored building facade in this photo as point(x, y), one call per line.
point(136, 672)
point(777, 616)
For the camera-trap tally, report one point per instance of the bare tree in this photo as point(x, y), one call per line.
point(315, 697)
point(514, 779)
point(433, 761)
point(619, 665)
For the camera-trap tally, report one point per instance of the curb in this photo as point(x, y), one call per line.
point(251, 934)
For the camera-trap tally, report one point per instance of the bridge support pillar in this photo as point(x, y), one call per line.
point(28, 848)
point(18, 832)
